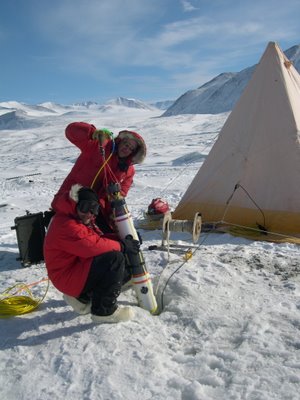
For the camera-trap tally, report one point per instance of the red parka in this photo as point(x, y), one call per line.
point(91, 161)
point(70, 246)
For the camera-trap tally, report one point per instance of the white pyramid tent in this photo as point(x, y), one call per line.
point(251, 177)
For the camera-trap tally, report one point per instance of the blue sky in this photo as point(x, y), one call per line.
point(69, 51)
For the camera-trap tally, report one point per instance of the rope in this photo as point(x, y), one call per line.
point(104, 163)
point(257, 230)
point(189, 254)
point(174, 225)
point(183, 169)
point(181, 226)
point(262, 227)
point(12, 304)
point(100, 169)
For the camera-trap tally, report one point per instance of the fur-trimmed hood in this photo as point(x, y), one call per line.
point(140, 154)
point(73, 193)
point(80, 193)
point(66, 203)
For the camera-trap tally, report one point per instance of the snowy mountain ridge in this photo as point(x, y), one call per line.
point(18, 115)
point(222, 92)
point(217, 96)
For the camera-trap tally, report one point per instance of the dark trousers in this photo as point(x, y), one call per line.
point(104, 282)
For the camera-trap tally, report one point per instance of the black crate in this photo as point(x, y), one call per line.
point(30, 230)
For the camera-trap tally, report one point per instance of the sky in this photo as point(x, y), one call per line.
point(69, 51)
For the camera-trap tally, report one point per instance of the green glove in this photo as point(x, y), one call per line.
point(102, 135)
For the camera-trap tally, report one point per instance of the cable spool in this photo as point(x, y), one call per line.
point(175, 225)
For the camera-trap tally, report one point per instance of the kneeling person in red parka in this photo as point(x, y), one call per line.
point(87, 266)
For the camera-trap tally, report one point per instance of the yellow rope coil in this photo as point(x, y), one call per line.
point(12, 304)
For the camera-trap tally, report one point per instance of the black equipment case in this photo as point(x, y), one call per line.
point(30, 230)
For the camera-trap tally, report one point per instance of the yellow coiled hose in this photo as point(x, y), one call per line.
point(12, 304)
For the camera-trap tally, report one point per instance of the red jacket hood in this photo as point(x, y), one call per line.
point(67, 202)
point(140, 154)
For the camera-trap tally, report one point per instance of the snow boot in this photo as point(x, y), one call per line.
point(78, 306)
point(122, 314)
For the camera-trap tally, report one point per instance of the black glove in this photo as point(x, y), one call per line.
point(130, 246)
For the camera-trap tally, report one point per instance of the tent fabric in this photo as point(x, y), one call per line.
point(251, 176)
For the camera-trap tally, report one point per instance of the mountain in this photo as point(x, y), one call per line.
point(222, 92)
point(26, 108)
point(163, 105)
point(130, 103)
point(17, 119)
point(55, 107)
point(17, 115)
point(293, 54)
point(87, 104)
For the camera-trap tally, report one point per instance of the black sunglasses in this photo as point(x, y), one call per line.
point(86, 206)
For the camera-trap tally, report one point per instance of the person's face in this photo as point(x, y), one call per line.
point(87, 211)
point(86, 217)
point(126, 148)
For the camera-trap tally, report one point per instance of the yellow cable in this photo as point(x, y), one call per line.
point(12, 305)
point(100, 169)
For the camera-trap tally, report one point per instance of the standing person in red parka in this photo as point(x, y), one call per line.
point(87, 266)
point(103, 160)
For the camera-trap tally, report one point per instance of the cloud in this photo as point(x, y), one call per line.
point(121, 31)
point(187, 6)
point(94, 20)
point(110, 38)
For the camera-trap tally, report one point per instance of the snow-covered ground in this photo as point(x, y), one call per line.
point(230, 321)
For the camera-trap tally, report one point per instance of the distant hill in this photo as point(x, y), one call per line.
point(222, 92)
point(162, 105)
point(50, 107)
point(17, 115)
point(27, 108)
point(131, 103)
point(17, 120)
point(55, 107)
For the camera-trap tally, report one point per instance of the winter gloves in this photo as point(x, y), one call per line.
point(102, 135)
point(130, 246)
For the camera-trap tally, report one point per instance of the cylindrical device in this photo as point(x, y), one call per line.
point(123, 219)
point(140, 276)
